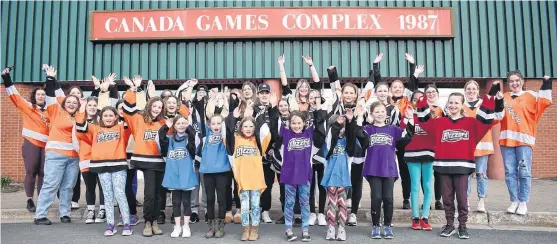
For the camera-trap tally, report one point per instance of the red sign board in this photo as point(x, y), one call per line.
point(217, 23)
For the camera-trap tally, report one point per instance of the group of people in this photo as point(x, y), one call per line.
point(233, 143)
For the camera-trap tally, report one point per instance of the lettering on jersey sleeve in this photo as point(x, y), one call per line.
point(380, 139)
point(455, 135)
point(215, 138)
point(177, 153)
point(339, 150)
point(298, 144)
point(108, 136)
point(150, 135)
point(246, 151)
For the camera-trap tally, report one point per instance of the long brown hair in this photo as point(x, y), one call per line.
point(385, 84)
point(178, 103)
point(174, 120)
point(108, 108)
point(33, 97)
point(243, 100)
point(244, 120)
point(147, 117)
point(351, 86)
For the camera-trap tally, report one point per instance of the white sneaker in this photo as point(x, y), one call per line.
point(481, 206)
point(90, 217)
point(186, 232)
point(341, 235)
point(265, 217)
point(331, 233)
point(522, 209)
point(512, 208)
point(168, 200)
point(321, 219)
point(101, 216)
point(349, 203)
point(352, 220)
point(176, 231)
point(312, 219)
point(75, 205)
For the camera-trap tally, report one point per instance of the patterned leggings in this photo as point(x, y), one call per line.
point(114, 185)
point(250, 207)
point(290, 199)
point(336, 204)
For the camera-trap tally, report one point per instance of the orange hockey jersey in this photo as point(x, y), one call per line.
point(485, 146)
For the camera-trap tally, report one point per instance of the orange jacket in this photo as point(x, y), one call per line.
point(485, 146)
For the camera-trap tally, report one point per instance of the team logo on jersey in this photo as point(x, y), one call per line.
point(513, 114)
point(150, 135)
point(245, 151)
point(196, 128)
point(298, 143)
point(418, 130)
point(215, 138)
point(455, 135)
point(177, 153)
point(380, 139)
point(339, 150)
point(108, 136)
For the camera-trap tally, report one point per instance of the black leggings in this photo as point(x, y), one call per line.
point(230, 193)
point(381, 192)
point(151, 193)
point(180, 198)
point(317, 176)
point(404, 175)
point(216, 182)
point(77, 188)
point(355, 192)
point(91, 179)
point(132, 202)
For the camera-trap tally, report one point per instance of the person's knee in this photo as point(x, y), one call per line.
point(524, 169)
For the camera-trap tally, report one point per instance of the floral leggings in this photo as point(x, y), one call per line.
point(336, 205)
point(290, 199)
point(250, 207)
point(114, 185)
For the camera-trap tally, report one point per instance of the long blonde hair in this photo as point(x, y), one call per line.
point(472, 82)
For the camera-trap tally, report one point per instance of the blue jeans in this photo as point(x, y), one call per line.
point(518, 171)
point(60, 173)
point(417, 172)
point(481, 177)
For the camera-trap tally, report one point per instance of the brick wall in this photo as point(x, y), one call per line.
point(544, 161)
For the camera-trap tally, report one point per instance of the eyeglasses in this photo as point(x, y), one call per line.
point(431, 92)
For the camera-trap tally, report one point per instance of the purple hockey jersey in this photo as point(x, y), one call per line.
point(380, 155)
point(296, 156)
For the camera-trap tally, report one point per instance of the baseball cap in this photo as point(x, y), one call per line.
point(263, 87)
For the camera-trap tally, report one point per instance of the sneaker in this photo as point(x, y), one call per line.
point(162, 218)
point(481, 206)
point(352, 220)
point(172, 220)
point(176, 232)
point(101, 216)
point(31, 205)
point(406, 204)
point(297, 221)
point(341, 235)
point(219, 230)
point(90, 217)
point(376, 232)
point(312, 219)
point(168, 200)
point(237, 218)
point(416, 224)
point(75, 205)
point(280, 221)
point(127, 231)
point(148, 229)
point(463, 233)
point(156, 229)
point(110, 230)
point(448, 230)
point(194, 218)
point(512, 208)
point(290, 236)
point(388, 232)
point(42, 221)
point(65, 219)
point(424, 224)
point(321, 220)
point(134, 220)
point(349, 203)
point(186, 232)
point(439, 205)
point(306, 236)
point(331, 233)
point(522, 209)
point(265, 217)
point(228, 217)
point(206, 219)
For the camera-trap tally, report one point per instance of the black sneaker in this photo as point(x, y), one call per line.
point(172, 220)
point(306, 236)
point(162, 218)
point(42, 221)
point(290, 236)
point(194, 218)
point(448, 230)
point(31, 205)
point(65, 219)
point(439, 205)
point(406, 204)
point(280, 221)
point(463, 233)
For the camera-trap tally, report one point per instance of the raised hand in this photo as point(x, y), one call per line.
point(308, 60)
point(281, 59)
point(409, 113)
point(151, 88)
point(137, 79)
point(274, 99)
point(248, 112)
point(169, 123)
point(378, 58)
point(213, 93)
point(409, 57)
point(184, 85)
point(104, 85)
point(6, 71)
point(51, 71)
point(546, 77)
point(331, 67)
point(111, 79)
point(129, 82)
point(341, 119)
point(349, 114)
point(44, 67)
point(96, 82)
point(193, 82)
point(236, 112)
point(226, 93)
point(419, 69)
